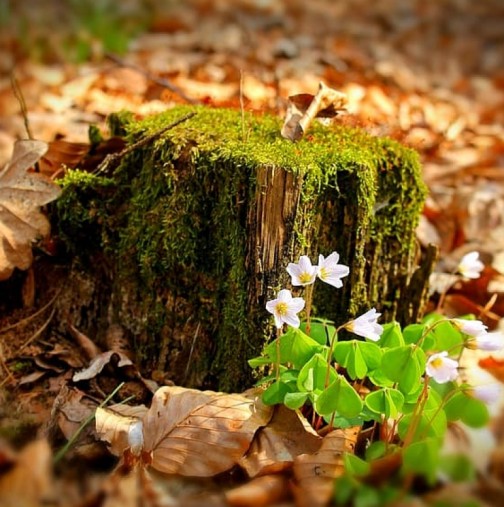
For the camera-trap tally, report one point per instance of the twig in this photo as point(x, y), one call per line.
point(39, 331)
point(22, 104)
point(195, 337)
point(32, 316)
point(151, 77)
point(113, 158)
point(73, 438)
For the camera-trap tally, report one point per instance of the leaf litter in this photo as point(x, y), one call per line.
point(386, 60)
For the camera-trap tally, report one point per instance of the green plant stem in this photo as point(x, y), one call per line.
point(429, 329)
point(416, 414)
point(308, 300)
point(279, 336)
point(59, 455)
point(329, 356)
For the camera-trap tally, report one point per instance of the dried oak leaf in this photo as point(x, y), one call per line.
point(21, 195)
point(186, 431)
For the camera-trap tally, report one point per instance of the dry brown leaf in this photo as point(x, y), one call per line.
point(21, 195)
point(29, 482)
point(304, 108)
point(274, 447)
point(99, 362)
point(259, 492)
point(189, 432)
point(315, 473)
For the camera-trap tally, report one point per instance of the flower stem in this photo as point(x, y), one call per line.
point(279, 336)
point(308, 299)
point(329, 356)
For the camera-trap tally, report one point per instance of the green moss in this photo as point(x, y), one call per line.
point(174, 217)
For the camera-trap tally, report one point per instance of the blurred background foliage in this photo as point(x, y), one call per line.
point(75, 31)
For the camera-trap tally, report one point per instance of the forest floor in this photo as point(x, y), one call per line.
point(428, 73)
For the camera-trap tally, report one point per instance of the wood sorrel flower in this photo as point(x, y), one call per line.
point(470, 266)
point(329, 271)
point(441, 368)
point(470, 327)
point(285, 308)
point(486, 341)
point(366, 325)
point(302, 273)
point(487, 393)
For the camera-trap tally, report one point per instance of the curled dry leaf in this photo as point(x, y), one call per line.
point(21, 195)
point(304, 108)
point(190, 432)
point(315, 473)
point(274, 448)
point(99, 362)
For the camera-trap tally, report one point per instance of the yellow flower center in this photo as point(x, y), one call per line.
point(282, 309)
point(437, 363)
point(322, 273)
point(305, 277)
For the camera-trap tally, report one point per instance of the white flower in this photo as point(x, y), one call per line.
point(329, 271)
point(470, 327)
point(366, 325)
point(441, 368)
point(487, 341)
point(470, 266)
point(303, 273)
point(488, 393)
point(284, 308)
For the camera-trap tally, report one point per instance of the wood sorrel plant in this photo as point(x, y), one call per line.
point(403, 385)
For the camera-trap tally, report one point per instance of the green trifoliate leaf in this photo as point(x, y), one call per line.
point(321, 330)
point(296, 348)
point(312, 376)
point(385, 401)
point(414, 333)
point(391, 336)
point(339, 397)
point(355, 466)
point(470, 411)
point(358, 357)
point(404, 365)
point(275, 393)
point(295, 400)
point(422, 458)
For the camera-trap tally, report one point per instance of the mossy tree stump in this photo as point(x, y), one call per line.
point(190, 236)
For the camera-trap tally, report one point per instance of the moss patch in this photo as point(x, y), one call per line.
point(177, 219)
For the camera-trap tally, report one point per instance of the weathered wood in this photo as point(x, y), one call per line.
point(196, 230)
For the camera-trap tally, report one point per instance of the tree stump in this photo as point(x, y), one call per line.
point(185, 241)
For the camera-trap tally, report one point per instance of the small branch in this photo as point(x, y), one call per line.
point(151, 77)
point(113, 159)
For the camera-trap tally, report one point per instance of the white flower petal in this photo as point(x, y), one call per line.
point(488, 393)
point(330, 272)
point(470, 266)
point(284, 308)
point(489, 341)
point(441, 368)
point(302, 273)
point(469, 327)
point(366, 325)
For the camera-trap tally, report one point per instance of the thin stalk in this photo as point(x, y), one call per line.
point(279, 336)
point(75, 436)
point(308, 301)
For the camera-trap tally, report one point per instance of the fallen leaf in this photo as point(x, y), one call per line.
point(315, 473)
point(21, 195)
point(259, 492)
point(29, 482)
point(190, 432)
point(275, 446)
point(99, 362)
